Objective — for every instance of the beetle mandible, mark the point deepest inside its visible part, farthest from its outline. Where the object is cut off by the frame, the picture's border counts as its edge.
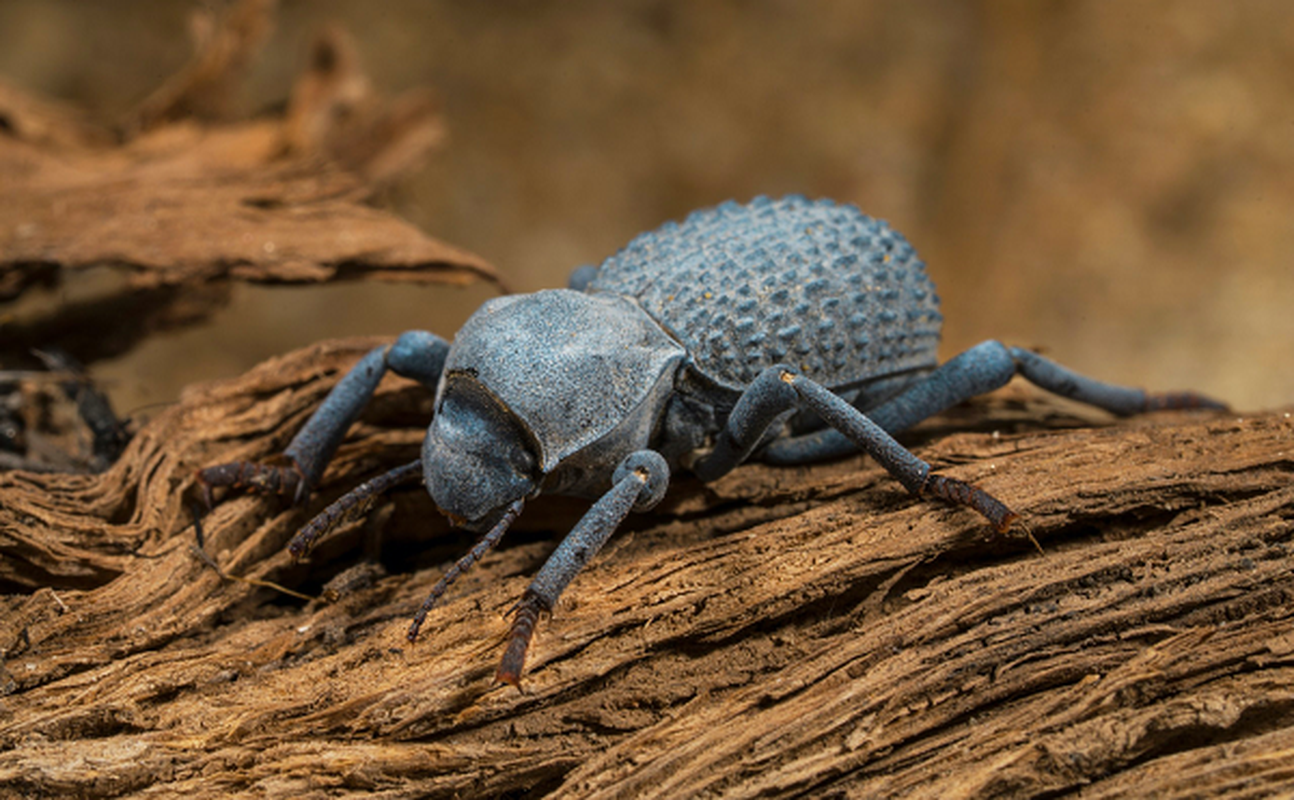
(786, 330)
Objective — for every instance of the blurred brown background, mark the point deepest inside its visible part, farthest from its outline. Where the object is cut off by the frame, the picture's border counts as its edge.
(1110, 181)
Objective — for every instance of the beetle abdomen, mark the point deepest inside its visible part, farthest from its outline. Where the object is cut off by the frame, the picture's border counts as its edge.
(814, 284)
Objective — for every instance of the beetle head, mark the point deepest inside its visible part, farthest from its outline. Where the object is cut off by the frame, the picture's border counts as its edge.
(478, 458)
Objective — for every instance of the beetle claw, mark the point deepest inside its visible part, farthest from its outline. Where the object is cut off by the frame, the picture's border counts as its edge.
(1176, 401)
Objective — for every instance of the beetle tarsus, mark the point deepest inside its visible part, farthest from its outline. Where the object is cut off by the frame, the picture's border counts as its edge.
(524, 620)
(966, 494)
(1176, 401)
(252, 477)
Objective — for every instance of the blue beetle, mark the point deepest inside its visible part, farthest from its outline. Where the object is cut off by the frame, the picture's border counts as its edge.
(786, 330)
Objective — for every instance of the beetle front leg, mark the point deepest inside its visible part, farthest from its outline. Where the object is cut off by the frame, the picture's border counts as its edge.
(416, 354)
(639, 483)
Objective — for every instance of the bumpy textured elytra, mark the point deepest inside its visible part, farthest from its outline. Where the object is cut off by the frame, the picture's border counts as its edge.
(786, 330)
(839, 295)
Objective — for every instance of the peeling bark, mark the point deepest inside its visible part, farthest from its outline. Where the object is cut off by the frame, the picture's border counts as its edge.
(183, 200)
(780, 631)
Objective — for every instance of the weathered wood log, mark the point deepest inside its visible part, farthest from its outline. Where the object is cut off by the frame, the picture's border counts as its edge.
(781, 631)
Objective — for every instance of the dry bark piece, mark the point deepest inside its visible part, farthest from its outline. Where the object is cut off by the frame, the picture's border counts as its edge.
(193, 205)
(272, 200)
(223, 50)
(184, 204)
(780, 631)
(47, 123)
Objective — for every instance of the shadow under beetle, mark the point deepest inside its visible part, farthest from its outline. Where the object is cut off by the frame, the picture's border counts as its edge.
(785, 330)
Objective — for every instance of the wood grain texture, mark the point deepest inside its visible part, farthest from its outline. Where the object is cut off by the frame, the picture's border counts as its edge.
(780, 632)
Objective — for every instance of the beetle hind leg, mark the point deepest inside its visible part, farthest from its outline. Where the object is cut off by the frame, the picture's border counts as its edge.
(1121, 400)
(981, 369)
(780, 388)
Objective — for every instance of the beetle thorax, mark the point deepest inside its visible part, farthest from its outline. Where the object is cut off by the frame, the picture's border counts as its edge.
(534, 379)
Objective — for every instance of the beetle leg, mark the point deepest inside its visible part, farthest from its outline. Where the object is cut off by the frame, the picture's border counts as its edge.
(1119, 400)
(765, 400)
(979, 370)
(912, 472)
(581, 277)
(416, 354)
(253, 477)
(638, 484)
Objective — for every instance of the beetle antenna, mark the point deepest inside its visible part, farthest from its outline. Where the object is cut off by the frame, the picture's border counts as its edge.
(478, 551)
(352, 505)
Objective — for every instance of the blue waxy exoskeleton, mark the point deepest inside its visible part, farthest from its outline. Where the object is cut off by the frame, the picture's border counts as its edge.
(784, 330)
